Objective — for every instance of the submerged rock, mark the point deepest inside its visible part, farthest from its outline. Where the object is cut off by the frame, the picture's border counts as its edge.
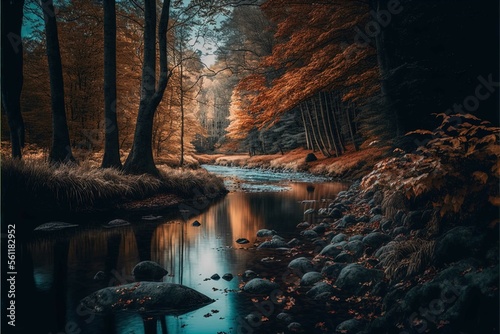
(274, 243)
(144, 297)
(116, 223)
(260, 286)
(196, 223)
(148, 271)
(151, 217)
(227, 277)
(264, 233)
(54, 226)
(310, 157)
(215, 277)
(242, 241)
(249, 274)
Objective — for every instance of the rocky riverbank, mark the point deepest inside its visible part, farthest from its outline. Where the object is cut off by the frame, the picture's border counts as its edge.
(355, 269)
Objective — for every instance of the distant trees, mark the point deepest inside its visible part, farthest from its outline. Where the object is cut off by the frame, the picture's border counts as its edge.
(12, 71)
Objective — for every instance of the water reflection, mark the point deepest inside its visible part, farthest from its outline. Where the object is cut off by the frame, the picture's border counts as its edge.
(59, 270)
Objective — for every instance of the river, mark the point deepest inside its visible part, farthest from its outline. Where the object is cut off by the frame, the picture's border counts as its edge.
(56, 270)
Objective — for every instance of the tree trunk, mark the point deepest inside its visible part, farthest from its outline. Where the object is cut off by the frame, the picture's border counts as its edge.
(308, 145)
(61, 148)
(330, 139)
(181, 67)
(323, 147)
(334, 126)
(12, 71)
(348, 110)
(111, 144)
(140, 159)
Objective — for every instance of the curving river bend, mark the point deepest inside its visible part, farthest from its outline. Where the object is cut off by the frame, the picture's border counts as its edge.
(56, 270)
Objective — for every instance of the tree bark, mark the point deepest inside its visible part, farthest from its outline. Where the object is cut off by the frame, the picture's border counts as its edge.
(12, 72)
(329, 135)
(308, 145)
(140, 159)
(323, 147)
(111, 143)
(349, 124)
(61, 147)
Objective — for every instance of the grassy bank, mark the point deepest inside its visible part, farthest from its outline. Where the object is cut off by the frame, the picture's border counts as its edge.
(35, 186)
(351, 165)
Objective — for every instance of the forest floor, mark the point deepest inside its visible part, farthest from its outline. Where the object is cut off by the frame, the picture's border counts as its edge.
(350, 166)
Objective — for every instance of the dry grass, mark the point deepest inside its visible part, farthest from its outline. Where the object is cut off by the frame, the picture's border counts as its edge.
(38, 185)
(408, 258)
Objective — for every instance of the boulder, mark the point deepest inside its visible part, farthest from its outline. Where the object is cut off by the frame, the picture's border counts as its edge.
(116, 223)
(145, 297)
(335, 213)
(260, 286)
(344, 257)
(376, 239)
(333, 270)
(249, 274)
(374, 219)
(148, 271)
(377, 210)
(339, 237)
(295, 327)
(356, 237)
(310, 278)
(242, 241)
(274, 243)
(458, 243)
(265, 233)
(351, 326)
(303, 225)
(196, 223)
(284, 318)
(319, 229)
(354, 275)
(294, 242)
(347, 220)
(355, 247)
(54, 226)
(331, 250)
(300, 266)
(309, 234)
(227, 277)
(215, 277)
(310, 157)
(320, 291)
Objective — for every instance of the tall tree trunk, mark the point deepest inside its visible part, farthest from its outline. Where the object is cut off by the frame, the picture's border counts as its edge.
(181, 67)
(337, 107)
(323, 147)
(306, 131)
(329, 135)
(349, 124)
(111, 144)
(315, 137)
(140, 159)
(334, 128)
(61, 147)
(12, 71)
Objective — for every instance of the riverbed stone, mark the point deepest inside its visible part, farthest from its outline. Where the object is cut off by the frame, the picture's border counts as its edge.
(335, 213)
(196, 223)
(376, 210)
(376, 239)
(319, 229)
(274, 243)
(310, 234)
(344, 257)
(294, 242)
(339, 237)
(354, 275)
(54, 226)
(351, 326)
(303, 225)
(331, 250)
(284, 317)
(374, 219)
(300, 266)
(148, 271)
(227, 277)
(399, 230)
(116, 223)
(310, 157)
(295, 327)
(347, 220)
(320, 291)
(356, 237)
(309, 211)
(260, 286)
(265, 233)
(355, 247)
(310, 278)
(249, 275)
(333, 270)
(144, 297)
(215, 277)
(458, 243)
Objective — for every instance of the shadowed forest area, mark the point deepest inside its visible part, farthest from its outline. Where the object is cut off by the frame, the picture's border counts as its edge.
(117, 110)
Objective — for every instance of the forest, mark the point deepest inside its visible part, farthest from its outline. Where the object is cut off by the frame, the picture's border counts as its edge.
(117, 110)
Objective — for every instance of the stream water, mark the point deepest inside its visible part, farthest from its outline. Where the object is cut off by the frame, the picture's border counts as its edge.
(56, 270)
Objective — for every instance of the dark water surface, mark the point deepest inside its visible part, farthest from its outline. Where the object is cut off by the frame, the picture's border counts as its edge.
(56, 270)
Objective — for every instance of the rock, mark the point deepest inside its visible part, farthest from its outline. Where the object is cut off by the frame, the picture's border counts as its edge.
(116, 223)
(386, 225)
(265, 233)
(249, 274)
(351, 326)
(331, 250)
(320, 291)
(457, 243)
(310, 157)
(144, 297)
(335, 213)
(295, 327)
(340, 244)
(376, 239)
(275, 243)
(354, 275)
(355, 247)
(284, 317)
(399, 230)
(294, 242)
(303, 225)
(363, 219)
(300, 266)
(215, 277)
(148, 271)
(151, 217)
(344, 257)
(377, 210)
(310, 278)
(358, 237)
(277, 237)
(242, 241)
(338, 238)
(260, 286)
(309, 211)
(309, 234)
(374, 219)
(196, 223)
(333, 270)
(368, 194)
(399, 218)
(319, 229)
(100, 276)
(378, 197)
(54, 226)
(347, 220)
(227, 277)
